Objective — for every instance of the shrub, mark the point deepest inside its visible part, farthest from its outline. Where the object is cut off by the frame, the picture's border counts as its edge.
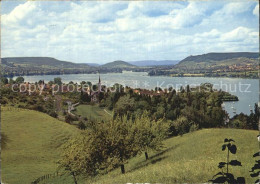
(182, 125)
(194, 127)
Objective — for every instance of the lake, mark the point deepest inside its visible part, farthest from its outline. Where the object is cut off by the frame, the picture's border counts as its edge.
(247, 90)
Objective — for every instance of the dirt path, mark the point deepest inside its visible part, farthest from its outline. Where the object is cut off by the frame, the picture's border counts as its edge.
(108, 112)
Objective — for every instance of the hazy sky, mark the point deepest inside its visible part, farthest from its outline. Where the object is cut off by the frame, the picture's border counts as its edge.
(100, 32)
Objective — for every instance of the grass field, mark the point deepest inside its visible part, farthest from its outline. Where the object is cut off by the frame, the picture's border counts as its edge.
(93, 112)
(191, 158)
(33, 139)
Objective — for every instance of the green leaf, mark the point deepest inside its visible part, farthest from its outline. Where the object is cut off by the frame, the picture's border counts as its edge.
(256, 154)
(231, 140)
(223, 147)
(233, 149)
(255, 174)
(221, 164)
(219, 173)
(235, 163)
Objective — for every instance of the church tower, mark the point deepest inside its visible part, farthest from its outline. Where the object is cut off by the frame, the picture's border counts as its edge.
(99, 84)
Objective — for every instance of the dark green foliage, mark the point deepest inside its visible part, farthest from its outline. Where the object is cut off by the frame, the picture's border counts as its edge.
(255, 170)
(227, 177)
(19, 80)
(246, 121)
(68, 118)
(57, 80)
(81, 125)
(4, 80)
(84, 97)
(149, 133)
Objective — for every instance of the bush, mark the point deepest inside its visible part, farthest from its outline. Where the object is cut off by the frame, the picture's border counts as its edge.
(237, 124)
(53, 114)
(81, 125)
(181, 125)
(4, 101)
(194, 127)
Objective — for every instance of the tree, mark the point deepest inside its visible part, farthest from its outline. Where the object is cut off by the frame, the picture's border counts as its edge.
(182, 125)
(68, 118)
(124, 105)
(57, 80)
(81, 125)
(19, 80)
(119, 141)
(80, 156)
(149, 134)
(84, 97)
(4, 80)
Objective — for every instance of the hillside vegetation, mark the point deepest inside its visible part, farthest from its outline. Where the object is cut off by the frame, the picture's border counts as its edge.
(221, 56)
(33, 141)
(41, 61)
(118, 64)
(191, 158)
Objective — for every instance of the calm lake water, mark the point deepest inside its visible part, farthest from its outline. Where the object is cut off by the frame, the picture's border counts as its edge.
(247, 90)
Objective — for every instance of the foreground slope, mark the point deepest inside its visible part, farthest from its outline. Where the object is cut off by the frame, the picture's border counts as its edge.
(33, 139)
(192, 158)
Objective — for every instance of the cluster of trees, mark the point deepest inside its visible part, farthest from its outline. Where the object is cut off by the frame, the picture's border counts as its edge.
(185, 110)
(108, 145)
(18, 80)
(33, 101)
(246, 121)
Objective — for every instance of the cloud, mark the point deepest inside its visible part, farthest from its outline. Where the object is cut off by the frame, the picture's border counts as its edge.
(100, 32)
(256, 10)
(19, 13)
(241, 34)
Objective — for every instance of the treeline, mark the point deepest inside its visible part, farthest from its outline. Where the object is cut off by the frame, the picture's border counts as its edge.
(12, 72)
(201, 108)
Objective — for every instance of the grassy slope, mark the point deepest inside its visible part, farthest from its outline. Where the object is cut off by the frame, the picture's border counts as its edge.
(192, 158)
(32, 147)
(93, 112)
(33, 137)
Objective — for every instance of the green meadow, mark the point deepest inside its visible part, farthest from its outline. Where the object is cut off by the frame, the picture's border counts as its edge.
(191, 158)
(93, 112)
(34, 139)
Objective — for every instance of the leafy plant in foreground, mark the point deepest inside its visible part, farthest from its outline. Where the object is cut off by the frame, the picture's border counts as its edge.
(227, 177)
(255, 170)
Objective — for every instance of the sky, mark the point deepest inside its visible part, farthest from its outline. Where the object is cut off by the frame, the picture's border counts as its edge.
(101, 32)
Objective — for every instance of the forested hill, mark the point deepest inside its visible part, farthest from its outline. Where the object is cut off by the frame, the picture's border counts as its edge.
(41, 61)
(118, 64)
(220, 56)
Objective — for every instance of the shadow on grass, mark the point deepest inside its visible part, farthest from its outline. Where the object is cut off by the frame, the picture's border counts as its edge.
(153, 159)
(4, 140)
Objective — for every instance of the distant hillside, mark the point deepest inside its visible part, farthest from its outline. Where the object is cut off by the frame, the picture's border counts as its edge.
(118, 64)
(93, 64)
(154, 62)
(220, 56)
(41, 62)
